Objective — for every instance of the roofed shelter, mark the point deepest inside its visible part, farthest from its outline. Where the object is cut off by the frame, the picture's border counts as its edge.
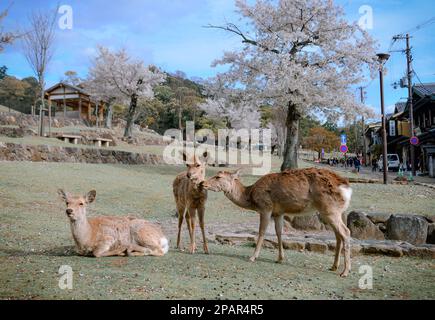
(74, 103)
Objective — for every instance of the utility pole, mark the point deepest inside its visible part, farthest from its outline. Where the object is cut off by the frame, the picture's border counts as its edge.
(410, 100)
(411, 105)
(383, 57)
(363, 129)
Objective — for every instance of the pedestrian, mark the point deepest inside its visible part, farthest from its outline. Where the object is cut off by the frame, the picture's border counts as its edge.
(374, 165)
(357, 164)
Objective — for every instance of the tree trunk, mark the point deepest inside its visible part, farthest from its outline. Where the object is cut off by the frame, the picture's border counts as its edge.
(130, 116)
(180, 114)
(42, 111)
(292, 138)
(109, 115)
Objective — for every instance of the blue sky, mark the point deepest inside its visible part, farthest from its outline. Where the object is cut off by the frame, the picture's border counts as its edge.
(169, 33)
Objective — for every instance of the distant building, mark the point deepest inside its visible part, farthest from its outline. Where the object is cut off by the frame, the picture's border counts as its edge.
(73, 102)
(373, 141)
(399, 132)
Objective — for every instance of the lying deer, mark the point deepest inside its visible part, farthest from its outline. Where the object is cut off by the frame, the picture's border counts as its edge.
(111, 236)
(292, 192)
(190, 198)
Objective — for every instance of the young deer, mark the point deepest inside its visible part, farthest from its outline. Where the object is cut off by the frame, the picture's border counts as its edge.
(190, 198)
(292, 192)
(111, 236)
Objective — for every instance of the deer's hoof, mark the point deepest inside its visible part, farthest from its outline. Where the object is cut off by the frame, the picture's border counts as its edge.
(333, 268)
(252, 259)
(344, 274)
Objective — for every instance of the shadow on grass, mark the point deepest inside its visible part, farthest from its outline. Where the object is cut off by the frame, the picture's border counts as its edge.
(63, 251)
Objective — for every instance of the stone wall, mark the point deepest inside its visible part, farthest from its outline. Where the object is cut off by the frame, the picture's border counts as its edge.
(45, 153)
(27, 120)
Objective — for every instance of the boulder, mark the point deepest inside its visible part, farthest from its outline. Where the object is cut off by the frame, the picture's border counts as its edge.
(383, 249)
(317, 246)
(409, 228)
(293, 245)
(311, 222)
(362, 227)
(378, 217)
(431, 233)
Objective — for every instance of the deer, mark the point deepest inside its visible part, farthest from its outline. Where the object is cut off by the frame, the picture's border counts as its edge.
(292, 193)
(106, 236)
(190, 198)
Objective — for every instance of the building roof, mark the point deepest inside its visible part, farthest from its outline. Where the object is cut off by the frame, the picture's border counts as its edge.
(425, 89)
(66, 85)
(400, 107)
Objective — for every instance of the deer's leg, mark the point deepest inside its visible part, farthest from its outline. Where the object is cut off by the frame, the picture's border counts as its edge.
(192, 220)
(103, 250)
(345, 237)
(137, 250)
(181, 213)
(338, 245)
(279, 221)
(201, 212)
(342, 235)
(264, 222)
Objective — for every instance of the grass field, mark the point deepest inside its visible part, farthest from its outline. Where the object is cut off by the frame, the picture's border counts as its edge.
(36, 241)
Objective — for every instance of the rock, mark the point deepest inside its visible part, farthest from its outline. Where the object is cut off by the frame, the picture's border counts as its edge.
(409, 228)
(384, 249)
(233, 238)
(422, 252)
(317, 246)
(306, 222)
(293, 245)
(362, 228)
(378, 217)
(431, 233)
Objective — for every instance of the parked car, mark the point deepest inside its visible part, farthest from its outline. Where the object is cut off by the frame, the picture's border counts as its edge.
(393, 162)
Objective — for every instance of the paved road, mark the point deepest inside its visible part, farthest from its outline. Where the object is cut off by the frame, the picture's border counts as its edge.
(366, 172)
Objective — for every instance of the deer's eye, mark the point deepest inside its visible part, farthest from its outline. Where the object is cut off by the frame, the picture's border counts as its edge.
(67, 203)
(82, 204)
(197, 166)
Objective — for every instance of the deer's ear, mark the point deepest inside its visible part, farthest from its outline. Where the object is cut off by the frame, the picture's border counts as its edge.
(90, 196)
(236, 174)
(62, 194)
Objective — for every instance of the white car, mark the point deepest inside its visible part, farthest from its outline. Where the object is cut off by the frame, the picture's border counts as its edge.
(393, 162)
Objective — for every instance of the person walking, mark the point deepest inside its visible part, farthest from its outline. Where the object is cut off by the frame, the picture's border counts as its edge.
(374, 165)
(357, 164)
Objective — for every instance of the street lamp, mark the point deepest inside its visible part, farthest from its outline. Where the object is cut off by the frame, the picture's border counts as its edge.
(382, 58)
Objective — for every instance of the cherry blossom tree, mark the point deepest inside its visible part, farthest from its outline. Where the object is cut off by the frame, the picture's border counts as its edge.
(115, 75)
(301, 55)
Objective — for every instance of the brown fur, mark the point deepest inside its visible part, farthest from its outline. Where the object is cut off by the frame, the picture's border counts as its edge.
(292, 192)
(111, 236)
(190, 198)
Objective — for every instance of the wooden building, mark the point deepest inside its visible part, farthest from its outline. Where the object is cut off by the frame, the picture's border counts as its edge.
(74, 103)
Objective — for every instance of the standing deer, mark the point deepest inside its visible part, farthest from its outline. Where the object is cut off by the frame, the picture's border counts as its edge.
(292, 192)
(111, 236)
(190, 198)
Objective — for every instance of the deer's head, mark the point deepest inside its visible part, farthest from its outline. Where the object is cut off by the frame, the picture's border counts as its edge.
(223, 181)
(196, 167)
(76, 205)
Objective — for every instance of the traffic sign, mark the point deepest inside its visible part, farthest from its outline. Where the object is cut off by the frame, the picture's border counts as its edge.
(344, 148)
(343, 139)
(414, 141)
